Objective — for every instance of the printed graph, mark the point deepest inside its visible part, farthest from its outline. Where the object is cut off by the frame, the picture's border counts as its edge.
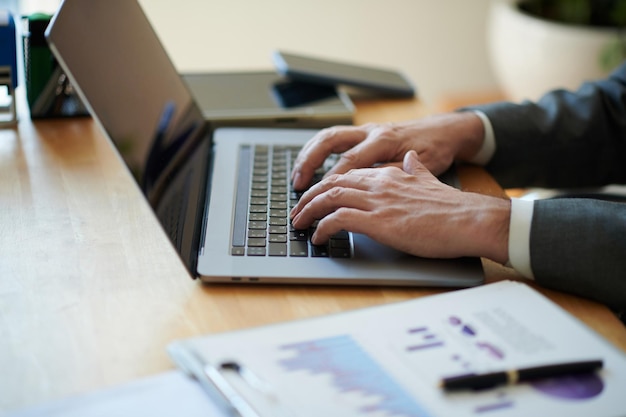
(457, 347)
(426, 339)
(352, 370)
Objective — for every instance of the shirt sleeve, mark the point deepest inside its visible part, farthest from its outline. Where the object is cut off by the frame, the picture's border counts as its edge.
(521, 210)
(489, 142)
(519, 236)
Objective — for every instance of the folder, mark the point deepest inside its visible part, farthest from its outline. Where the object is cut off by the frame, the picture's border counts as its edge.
(388, 360)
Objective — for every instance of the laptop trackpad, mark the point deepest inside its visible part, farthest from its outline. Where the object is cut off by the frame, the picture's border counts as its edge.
(374, 254)
(366, 248)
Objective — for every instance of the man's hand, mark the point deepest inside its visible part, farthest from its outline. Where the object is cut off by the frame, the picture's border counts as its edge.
(408, 209)
(438, 140)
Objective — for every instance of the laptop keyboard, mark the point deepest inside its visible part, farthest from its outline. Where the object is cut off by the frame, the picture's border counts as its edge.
(264, 198)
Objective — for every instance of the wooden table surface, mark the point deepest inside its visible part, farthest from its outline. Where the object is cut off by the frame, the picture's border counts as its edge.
(91, 291)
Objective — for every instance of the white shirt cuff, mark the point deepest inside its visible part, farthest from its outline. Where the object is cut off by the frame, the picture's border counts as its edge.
(489, 142)
(519, 236)
(521, 210)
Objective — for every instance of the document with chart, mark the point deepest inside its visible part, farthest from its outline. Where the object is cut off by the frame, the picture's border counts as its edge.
(389, 360)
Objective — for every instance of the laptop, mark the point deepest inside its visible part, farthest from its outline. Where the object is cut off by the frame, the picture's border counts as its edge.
(265, 98)
(221, 194)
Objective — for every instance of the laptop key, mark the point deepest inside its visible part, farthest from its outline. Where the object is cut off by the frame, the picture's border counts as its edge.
(320, 251)
(256, 251)
(278, 221)
(257, 225)
(277, 230)
(299, 235)
(257, 201)
(258, 217)
(278, 205)
(256, 242)
(339, 252)
(259, 233)
(298, 248)
(278, 213)
(340, 244)
(278, 238)
(277, 249)
(258, 209)
(237, 251)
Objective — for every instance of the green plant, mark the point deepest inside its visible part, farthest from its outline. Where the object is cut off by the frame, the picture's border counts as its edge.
(594, 13)
(599, 13)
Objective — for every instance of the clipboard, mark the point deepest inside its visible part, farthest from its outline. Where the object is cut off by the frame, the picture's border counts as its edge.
(386, 360)
(235, 390)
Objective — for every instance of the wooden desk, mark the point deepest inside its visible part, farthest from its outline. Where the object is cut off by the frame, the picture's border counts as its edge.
(91, 291)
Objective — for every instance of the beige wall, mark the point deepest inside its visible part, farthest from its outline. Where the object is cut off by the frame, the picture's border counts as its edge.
(439, 44)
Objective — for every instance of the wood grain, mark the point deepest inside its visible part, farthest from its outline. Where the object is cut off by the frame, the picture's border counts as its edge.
(91, 291)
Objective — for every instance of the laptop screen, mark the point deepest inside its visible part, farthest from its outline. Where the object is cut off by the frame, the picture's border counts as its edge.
(117, 63)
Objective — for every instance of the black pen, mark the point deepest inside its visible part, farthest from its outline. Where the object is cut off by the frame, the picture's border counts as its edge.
(513, 376)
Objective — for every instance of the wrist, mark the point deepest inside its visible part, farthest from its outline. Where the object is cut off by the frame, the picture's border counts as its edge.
(471, 134)
(491, 228)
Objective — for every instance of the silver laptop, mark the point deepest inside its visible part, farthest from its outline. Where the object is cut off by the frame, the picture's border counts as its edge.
(222, 195)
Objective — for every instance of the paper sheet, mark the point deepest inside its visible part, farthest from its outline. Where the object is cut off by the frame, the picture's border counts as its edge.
(165, 395)
(387, 361)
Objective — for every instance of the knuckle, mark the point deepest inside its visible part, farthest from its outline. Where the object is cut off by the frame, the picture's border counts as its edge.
(332, 180)
(341, 215)
(383, 129)
(335, 193)
(388, 133)
(350, 157)
(327, 134)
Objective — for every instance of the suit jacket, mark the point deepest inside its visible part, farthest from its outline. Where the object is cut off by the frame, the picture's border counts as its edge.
(570, 139)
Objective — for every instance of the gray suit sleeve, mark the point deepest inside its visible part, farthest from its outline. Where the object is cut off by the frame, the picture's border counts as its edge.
(579, 246)
(570, 139)
(566, 139)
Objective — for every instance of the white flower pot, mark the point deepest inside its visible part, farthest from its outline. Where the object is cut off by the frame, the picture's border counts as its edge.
(530, 56)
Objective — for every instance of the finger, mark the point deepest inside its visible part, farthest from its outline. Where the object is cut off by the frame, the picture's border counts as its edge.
(363, 155)
(328, 141)
(353, 179)
(411, 163)
(350, 219)
(330, 201)
(374, 150)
